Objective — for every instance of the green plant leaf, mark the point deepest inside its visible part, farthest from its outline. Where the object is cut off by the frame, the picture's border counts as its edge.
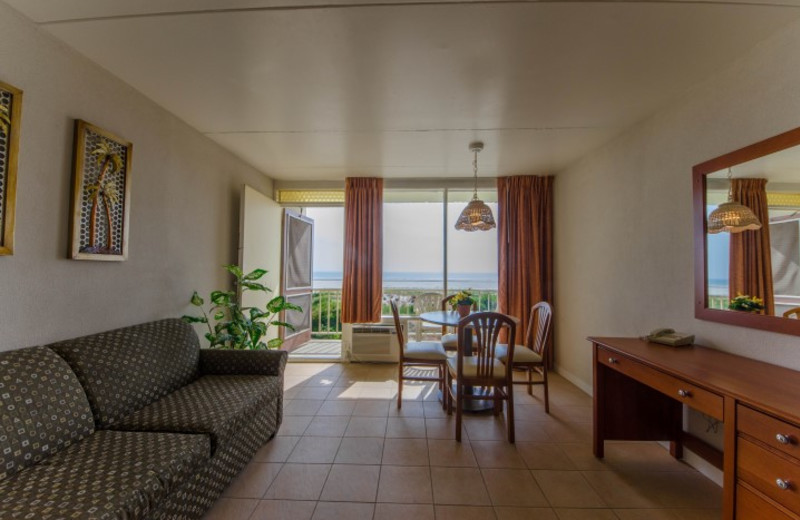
(255, 274)
(219, 315)
(194, 319)
(274, 343)
(197, 300)
(235, 270)
(255, 286)
(256, 313)
(222, 297)
(284, 324)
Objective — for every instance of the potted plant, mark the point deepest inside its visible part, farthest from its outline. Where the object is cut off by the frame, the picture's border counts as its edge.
(237, 327)
(462, 302)
(745, 303)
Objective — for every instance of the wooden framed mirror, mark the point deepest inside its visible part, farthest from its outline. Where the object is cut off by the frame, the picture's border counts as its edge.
(727, 262)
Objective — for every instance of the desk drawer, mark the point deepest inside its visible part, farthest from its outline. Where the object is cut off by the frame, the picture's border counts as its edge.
(768, 472)
(773, 432)
(694, 397)
(751, 506)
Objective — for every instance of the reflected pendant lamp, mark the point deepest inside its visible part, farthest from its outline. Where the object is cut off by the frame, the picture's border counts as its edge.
(732, 217)
(477, 216)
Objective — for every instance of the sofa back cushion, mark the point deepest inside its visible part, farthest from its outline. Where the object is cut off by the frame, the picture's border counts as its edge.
(126, 369)
(42, 408)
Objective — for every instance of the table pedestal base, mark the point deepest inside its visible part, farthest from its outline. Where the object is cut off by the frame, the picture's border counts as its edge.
(475, 405)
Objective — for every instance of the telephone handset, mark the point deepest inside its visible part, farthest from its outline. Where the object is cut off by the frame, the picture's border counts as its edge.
(667, 336)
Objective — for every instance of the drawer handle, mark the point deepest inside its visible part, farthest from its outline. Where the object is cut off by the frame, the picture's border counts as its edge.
(684, 393)
(783, 439)
(783, 484)
(612, 361)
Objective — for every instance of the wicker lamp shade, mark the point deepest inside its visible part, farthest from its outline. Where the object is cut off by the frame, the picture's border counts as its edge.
(477, 216)
(732, 217)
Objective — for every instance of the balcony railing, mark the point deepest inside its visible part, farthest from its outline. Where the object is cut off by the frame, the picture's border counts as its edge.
(326, 307)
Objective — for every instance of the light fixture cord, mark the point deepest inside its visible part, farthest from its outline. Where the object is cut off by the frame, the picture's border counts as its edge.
(475, 172)
(730, 185)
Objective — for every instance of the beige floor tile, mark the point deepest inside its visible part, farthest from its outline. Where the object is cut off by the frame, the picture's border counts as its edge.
(642, 457)
(464, 513)
(442, 429)
(301, 407)
(366, 427)
(343, 510)
(696, 514)
(485, 428)
(568, 432)
(284, 510)
(232, 509)
(371, 408)
(621, 490)
(497, 454)
(459, 486)
(253, 480)
(298, 482)
(360, 450)
(405, 485)
(315, 450)
(276, 450)
(339, 407)
(567, 489)
(313, 392)
(404, 512)
(513, 487)
(447, 452)
(582, 457)
(525, 513)
(586, 514)
(433, 409)
(681, 489)
(409, 409)
(351, 483)
(405, 452)
(544, 455)
(327, 426)
(532, 431)
(531, 412)
(405, 427)
(294, 425)
(647, 514)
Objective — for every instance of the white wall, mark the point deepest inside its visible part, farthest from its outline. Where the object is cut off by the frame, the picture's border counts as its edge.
(623, 214)
(184, 200)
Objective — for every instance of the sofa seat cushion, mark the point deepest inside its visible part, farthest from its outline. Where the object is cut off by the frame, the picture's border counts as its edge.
(217, 405)
(107, 475)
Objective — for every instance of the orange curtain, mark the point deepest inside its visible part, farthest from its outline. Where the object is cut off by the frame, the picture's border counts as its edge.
(525, 242)
(750, 269)
(363, 250)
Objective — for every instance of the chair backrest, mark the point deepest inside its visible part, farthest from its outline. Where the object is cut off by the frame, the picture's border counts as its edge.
(485, 329)
(540, 324)
(400, 339)
(426, 302)
(792, 313)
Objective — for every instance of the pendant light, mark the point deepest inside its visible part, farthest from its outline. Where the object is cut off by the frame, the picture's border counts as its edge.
(477, 216)
(731, 216)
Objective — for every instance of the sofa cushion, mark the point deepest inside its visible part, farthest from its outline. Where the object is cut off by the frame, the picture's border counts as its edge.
(107, 475)
(43, 408)
(217, 405)
(126, 369)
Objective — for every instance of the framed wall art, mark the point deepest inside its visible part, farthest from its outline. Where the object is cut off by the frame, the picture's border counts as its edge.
(10, 115)
(100, 194)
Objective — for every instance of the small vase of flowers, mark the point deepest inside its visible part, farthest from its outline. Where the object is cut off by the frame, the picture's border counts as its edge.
(462, 302)
(745, 303)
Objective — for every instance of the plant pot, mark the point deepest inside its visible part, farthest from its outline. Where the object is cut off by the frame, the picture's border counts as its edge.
(464, 309)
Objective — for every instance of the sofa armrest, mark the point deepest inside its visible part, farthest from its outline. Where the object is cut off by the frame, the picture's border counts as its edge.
(242, 362)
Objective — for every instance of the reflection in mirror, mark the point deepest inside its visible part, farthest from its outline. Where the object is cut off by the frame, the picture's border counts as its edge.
(757, 268)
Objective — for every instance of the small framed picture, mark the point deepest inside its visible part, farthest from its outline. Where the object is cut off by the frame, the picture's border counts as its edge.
(100, 194)
(10, 115)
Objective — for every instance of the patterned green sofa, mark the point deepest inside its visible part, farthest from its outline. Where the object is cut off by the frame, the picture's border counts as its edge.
(132, 423)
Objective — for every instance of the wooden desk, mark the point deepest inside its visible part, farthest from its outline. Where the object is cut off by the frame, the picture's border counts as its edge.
(640, 389)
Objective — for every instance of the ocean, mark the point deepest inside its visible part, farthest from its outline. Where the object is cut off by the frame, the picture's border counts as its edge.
(401, 280)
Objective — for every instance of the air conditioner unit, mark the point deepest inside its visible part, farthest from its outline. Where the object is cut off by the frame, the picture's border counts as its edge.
(371, 343)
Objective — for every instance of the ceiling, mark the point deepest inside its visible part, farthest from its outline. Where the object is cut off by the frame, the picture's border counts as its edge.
(320, 90)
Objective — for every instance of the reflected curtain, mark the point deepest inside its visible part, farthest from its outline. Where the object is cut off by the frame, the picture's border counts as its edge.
(525, 246)
(363, 250)
(750, 268)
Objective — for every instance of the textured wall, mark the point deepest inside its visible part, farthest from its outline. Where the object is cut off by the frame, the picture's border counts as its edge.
(623, 237)
(184, 200)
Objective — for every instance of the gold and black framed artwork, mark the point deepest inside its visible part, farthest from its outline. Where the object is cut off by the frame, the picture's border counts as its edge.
(10, 115)
(100, 194)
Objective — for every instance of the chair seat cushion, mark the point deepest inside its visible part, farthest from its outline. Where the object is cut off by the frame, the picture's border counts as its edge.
(522, 354)
(217, 405)
(109, 474)
(426, 350)
(471, 367)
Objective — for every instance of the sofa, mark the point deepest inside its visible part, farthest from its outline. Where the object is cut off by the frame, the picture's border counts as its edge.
(138, 422)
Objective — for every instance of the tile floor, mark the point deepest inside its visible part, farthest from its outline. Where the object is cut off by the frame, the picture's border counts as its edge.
(346, 452)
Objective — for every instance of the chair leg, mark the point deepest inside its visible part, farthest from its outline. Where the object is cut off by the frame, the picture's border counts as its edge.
(400, 385)
(498, 405)
(510, 413)
(459, 407)
(444, 391)
(449, 385)
(530, 380)
(546, 393)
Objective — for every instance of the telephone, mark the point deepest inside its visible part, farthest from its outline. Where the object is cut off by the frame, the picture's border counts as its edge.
(670, 337)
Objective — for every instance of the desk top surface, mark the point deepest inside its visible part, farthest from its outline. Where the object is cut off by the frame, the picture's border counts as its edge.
(771, 388)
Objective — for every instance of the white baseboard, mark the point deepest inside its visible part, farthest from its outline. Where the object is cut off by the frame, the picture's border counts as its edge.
(575, 380)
